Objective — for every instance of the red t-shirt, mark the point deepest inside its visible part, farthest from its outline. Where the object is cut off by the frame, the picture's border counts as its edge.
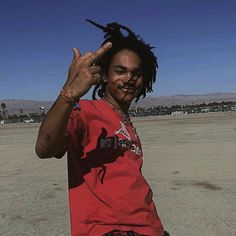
(107, 190)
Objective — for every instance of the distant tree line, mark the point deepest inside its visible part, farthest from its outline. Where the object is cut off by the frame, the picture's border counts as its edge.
(21, 116)
(183, 109)
(134, 111)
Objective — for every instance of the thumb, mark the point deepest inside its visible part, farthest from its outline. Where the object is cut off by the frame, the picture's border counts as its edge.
(76, 54)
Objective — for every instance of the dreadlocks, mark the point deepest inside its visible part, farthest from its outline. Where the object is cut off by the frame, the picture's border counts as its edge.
(122, 37)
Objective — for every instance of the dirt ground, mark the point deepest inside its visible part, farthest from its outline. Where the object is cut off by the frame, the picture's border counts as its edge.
(189, 161)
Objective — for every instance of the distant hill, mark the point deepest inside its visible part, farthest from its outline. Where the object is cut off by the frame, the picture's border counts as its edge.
(185, 99)
(14, 105)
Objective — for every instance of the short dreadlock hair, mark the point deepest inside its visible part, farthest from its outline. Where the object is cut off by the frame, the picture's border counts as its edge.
(115, 33)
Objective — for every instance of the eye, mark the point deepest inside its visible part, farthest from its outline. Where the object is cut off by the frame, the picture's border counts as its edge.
(119, 71)
(137, 74)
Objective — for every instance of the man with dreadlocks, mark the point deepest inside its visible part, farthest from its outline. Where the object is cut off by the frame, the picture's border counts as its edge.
(108, 194)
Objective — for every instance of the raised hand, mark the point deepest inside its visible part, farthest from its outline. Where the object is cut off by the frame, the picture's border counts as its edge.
(83, 73)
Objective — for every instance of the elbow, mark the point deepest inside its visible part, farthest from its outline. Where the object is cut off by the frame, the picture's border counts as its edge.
(41, 153)
(44, 153)
(42, 147)
(45, 148)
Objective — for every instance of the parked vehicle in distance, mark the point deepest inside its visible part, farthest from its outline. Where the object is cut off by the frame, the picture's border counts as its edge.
(28, 121)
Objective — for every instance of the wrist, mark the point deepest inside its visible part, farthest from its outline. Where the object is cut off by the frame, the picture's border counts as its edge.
(67, 95)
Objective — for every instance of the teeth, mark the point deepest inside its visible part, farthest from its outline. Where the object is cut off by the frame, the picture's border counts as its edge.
(129, 89)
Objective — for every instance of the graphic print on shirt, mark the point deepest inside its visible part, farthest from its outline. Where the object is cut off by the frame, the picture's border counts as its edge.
(121, 139)
(123, 131)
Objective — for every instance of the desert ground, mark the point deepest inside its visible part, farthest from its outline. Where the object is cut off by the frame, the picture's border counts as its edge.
(189, 161)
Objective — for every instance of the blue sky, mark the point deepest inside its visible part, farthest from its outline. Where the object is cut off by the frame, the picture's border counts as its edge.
(195, 42)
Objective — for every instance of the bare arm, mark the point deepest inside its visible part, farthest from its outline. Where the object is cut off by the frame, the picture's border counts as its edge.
(82, 75)
(51, 138)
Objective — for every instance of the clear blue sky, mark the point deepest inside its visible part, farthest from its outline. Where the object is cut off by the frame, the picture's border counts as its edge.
(195, 42)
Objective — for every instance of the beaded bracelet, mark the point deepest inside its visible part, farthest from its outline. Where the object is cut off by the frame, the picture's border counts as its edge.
(69, 99)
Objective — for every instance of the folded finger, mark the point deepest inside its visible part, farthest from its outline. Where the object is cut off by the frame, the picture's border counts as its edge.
(86, 55)
(95, 69)
(96, 78)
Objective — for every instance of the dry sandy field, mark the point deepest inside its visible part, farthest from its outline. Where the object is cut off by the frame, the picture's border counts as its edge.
(189, 161)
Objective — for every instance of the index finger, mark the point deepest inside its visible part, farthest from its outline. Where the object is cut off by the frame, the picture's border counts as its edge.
(97, 54)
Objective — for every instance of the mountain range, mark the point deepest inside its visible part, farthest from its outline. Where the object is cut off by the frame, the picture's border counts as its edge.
(14, 105)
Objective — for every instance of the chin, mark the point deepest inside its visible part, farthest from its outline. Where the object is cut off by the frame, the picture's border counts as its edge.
(128, 98)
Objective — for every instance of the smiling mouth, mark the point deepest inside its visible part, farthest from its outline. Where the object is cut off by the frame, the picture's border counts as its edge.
(128, 89)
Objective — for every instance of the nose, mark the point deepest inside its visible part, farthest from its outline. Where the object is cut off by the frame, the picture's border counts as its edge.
(131, 78)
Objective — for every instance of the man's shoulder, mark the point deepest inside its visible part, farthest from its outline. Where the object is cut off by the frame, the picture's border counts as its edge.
(87, 105)
(86, 110)
(89, 109)
(88, 102)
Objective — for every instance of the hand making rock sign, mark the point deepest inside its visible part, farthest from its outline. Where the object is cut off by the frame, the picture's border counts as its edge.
(83, 72)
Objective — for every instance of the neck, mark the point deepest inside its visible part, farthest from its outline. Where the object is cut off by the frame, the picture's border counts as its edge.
(123, 106)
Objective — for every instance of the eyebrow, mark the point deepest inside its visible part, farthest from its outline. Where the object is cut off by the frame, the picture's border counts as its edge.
(125, 68)
(120, 67)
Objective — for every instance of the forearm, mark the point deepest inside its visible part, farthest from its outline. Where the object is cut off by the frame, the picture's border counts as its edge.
(51, 138)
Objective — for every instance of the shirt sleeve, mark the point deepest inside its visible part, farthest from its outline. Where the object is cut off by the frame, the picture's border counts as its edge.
(76, 129)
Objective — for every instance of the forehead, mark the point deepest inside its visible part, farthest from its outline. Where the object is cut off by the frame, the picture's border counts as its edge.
(126, 58)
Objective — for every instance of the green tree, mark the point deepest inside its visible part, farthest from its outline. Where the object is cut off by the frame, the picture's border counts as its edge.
(3, 106)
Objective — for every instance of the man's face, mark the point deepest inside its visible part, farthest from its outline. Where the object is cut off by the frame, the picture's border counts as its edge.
(124, 78)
